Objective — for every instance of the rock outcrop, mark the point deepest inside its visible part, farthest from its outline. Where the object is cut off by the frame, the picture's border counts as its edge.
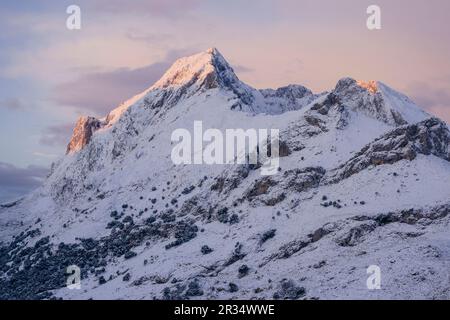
(429, 137)
(82, 133)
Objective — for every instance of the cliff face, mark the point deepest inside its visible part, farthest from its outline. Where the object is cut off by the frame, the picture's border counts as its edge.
(82, 133)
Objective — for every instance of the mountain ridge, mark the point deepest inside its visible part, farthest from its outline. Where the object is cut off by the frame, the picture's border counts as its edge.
(209, 70)
(363, 180)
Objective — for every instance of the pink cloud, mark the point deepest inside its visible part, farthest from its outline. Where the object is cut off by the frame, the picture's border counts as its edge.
(100, 92)
(151, 7)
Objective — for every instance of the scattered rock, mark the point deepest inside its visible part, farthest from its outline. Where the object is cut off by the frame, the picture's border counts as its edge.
(194, 289)
(126, 277)
(233, 287)
(206, 249)
(289, 291)
(236, 256)
(319, 264)
(130, 254)
(188, 190)
(267, 235)
(243, 270)
(222, 215)
(234, 218)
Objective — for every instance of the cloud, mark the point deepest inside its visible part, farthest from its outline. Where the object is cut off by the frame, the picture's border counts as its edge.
(433, 99)
(15, 182)
(12, 104)
(150, 38)
(45, 155)
(100, 92)
(57, 135)
(151, 7)
(144, 7)
(241, 69)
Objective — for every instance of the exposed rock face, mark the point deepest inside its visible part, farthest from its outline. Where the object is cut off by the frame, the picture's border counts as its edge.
(378, 101)
(427, 137)
(291, 92)
(303, 179)
(260, 187)
(272, 190)
(371, 86)
(368, 224)
(368, 99)
(289, 97)
(82, 133)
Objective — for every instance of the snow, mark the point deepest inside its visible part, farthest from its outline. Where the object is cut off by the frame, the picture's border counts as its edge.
(402, 104)
(130, 155)
(184, 69)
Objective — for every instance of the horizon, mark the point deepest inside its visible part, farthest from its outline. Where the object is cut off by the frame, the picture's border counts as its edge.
(121, 51)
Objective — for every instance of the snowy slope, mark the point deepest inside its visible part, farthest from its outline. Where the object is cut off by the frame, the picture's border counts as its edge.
(363, 181)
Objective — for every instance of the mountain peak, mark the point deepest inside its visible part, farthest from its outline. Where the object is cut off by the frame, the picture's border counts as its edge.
(187, 76)
(207, 68)
(213, 51)
(371, 86)
(378, 101)
(204, 71)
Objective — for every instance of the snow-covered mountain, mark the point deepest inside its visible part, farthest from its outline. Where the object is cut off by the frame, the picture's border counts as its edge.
(363, 180)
